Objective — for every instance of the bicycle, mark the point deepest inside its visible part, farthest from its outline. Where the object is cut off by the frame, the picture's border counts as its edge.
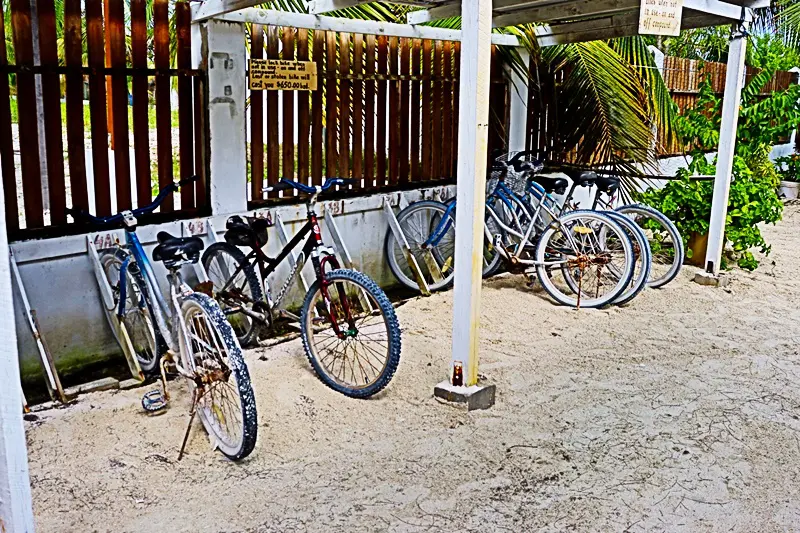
(592, 243)
(664, 239)
(188, 324)
(351, 334)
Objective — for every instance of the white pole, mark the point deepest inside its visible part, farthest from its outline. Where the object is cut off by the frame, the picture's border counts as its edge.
(16, 512)
(734, 83)
(473, 132)
(223, 42)
(518, 114)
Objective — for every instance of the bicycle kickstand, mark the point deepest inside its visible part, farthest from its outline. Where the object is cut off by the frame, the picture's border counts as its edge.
(195, 399)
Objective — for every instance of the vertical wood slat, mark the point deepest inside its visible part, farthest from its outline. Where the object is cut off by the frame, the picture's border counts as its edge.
(436, 152)
(331, 103)
(183, 21)
(163, 106)
(200, 143)
(394, 110)
(302, 113)
(257, 120)
(51, 105)
(141, 128)
(456, 92)
(26, 105)
(369, 123)
(358, 111)
(287, 100)
(316, 109)
(97, 107)
(273, 149)
(344, 105)
(119, 104)
(414, 135)
(380, 142)
(7, 142)
(447, 112)
(405, 70)
(427, 47)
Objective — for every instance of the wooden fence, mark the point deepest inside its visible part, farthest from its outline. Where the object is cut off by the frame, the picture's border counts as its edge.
(37, 207)
(385, 112)
(683, 77)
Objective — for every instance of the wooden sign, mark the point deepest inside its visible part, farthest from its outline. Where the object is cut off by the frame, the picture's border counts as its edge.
(280, 75)
(661, 17)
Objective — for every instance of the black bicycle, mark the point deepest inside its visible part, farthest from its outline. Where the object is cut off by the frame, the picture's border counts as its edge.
(349, 328)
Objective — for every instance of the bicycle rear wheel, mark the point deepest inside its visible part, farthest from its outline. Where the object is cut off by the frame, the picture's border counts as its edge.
(221, 261)
(354, 345)
(227, 406)
(665, 241)
(138, 318)
(596, 253)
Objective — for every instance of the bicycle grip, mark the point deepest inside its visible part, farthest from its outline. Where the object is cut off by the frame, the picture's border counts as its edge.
(280, 186)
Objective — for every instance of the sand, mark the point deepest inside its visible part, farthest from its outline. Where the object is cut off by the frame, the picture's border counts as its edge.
(676, 413)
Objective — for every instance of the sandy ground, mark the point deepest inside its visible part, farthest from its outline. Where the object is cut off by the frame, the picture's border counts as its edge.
(677, 413)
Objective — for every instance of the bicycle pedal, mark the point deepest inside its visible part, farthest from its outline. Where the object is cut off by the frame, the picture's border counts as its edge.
(154, 401)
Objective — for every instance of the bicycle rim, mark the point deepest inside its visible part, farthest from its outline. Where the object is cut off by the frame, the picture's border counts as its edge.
(666, 243)
(359, 354)
(207, 355)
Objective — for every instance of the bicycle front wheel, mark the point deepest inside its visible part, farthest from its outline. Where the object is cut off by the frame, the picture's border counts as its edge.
(420, 222)
(209, 350)
(665, 240)
(354, 342)
(596, 254)
(138, 317)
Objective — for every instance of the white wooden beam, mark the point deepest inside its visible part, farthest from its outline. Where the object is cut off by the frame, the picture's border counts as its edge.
(613, 27)
(734, 83)
(214, 8)
(16, 511)
(518, 113)
(473, 135)
(317, 7)
(718, 8)
(270, 17)
(445, 11)
(564, 11)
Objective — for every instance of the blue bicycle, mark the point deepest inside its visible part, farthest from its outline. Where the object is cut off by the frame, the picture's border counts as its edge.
(186, 324)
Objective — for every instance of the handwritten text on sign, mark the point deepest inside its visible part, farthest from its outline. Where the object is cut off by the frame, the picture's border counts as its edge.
(661, 17)
(280, 75)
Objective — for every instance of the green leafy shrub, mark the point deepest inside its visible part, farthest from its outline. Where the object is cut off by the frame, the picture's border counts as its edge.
(753, 196)
(788, 167)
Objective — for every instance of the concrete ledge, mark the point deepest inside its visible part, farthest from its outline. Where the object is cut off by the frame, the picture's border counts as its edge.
(476, 397)
(710, 280)
(94, 386)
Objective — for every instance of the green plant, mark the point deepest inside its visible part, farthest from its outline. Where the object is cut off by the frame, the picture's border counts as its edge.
(753, 196)
(788, 167)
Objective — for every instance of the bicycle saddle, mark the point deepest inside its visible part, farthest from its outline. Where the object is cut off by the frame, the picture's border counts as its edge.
(556, 185)
(608, 184)
(247, 231)
(583, 178)
(172, 250)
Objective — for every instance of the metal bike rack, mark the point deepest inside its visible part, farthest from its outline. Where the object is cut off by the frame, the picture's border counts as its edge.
(394, 225)
(54, 388)
(283, 236)
(187, 230)
(117, 327)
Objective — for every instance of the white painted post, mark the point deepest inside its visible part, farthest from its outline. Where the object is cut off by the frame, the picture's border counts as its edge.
(659, 59)
(222, 53)
(473, 132)
(16, 511)
(518, 114)
(734, 83)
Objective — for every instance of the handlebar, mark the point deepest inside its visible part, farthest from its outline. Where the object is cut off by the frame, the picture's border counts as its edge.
(79, 214)
(286, 184)
(517, 161)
